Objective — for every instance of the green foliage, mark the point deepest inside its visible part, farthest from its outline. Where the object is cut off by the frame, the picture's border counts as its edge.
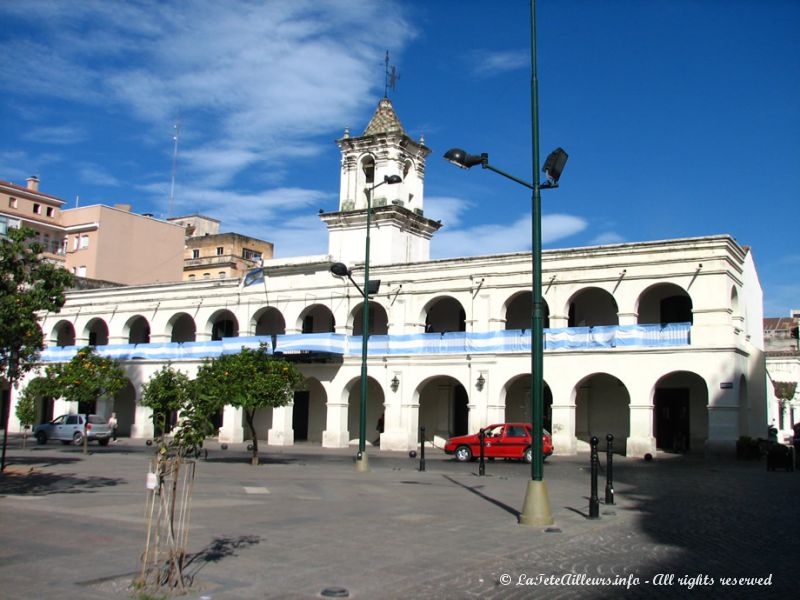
(87, 377)
(28, 286)
(171, 391)
(26, 404)
(250, 379)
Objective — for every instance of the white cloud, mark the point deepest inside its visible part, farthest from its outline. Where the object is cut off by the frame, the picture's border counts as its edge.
(446, 209)
(60, 135)
(486, 64)
(609, 237)
(97, 175)
(497, 238)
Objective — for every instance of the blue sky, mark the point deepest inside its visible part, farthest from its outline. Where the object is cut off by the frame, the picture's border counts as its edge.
(681, 117)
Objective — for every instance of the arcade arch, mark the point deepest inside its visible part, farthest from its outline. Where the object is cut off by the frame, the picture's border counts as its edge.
(316, 318)
(375, 407)
(665, 303)
(63, 334)
(444, 314)
(443, 407)
(519, 311)
(592, 307)
(182, 328)
(96, 331)
(223, 324)
(378, 320)
(602, 406)
(137, 330)
(680, 412)
(518, 401)
(309, 414)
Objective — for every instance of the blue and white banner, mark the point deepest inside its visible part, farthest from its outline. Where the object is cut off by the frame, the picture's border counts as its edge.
(507, 341)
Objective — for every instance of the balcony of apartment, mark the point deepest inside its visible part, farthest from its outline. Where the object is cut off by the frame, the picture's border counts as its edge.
(218, 260)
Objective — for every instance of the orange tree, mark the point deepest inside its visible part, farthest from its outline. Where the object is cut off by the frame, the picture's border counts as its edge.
(85, 378)
(250, 379)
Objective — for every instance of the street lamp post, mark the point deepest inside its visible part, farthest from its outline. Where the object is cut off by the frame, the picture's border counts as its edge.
(536, 507)
(340, 269)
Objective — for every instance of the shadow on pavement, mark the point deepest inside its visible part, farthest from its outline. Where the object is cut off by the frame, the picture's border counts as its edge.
(34, 483)
(494, 501)
(214, 552)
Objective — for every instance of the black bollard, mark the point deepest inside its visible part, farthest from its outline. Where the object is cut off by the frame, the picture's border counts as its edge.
(422, 449)
(594, 502)
(609, 472)
(482, 463)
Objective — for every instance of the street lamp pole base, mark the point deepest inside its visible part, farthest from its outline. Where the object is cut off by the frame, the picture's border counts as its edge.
(536, 508)
(362, 463)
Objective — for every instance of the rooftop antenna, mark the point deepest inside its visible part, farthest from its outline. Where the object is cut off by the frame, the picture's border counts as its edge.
(391, 78)
(174, 166)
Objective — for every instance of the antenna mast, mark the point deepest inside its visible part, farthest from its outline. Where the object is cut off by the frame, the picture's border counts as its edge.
(174, 166)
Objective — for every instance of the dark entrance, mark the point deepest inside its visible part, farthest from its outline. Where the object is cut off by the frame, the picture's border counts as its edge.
(460, 411)
(672, 419)
(300, 416)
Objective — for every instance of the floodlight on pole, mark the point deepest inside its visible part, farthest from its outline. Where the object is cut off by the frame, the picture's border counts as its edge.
(536, 506)
(370, 287)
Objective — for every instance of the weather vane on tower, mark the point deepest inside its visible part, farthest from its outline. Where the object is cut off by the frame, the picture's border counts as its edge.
(390, 78)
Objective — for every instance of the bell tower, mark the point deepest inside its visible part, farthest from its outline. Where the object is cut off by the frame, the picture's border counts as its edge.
(400, 233)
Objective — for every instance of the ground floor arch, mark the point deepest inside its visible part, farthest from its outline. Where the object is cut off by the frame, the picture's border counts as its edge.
(602, 406)
(443, 407)
(309, 412)
(125, 407)
(680, 412)
(375, 408)
(518, 402)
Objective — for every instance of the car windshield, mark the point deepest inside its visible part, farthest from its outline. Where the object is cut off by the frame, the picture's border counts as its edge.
(97, 420)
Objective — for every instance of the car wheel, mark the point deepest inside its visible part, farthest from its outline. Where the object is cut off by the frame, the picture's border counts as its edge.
(463, 454)
(77, 438)
(41, 437)
(529, 455)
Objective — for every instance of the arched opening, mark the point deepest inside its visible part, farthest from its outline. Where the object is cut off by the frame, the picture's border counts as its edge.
(366, 179)
(518, 402)
(444, 314)
(317, 318)
(680, 412)
(97, 332)
(443, 408)
(744, 408)
(519, 311)
(269, 321)
(63, 334)
(43, 405)
(378, 320)
(223, 325)
(125, 407)
(182, 328)
(665, 303)
(602, 406)
(375, 400)
(592, 307)
(309, 413)
(138, 331)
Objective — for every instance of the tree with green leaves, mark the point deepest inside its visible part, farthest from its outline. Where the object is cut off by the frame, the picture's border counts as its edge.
(38, 389)
(85, 378)
(250, 380)
(784, 392)
(29, 286)
(169, 391)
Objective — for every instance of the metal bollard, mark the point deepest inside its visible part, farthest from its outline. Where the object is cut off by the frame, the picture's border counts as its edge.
(594, 502)
(482, 463)
(422, 449)
(609, 469)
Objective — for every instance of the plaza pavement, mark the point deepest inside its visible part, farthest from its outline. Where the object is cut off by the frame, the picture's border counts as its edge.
(73, 526)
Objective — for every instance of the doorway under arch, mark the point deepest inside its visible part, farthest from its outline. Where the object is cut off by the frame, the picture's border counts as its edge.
(602, 406)
(518, 402)
(680, 412)
(375, 400)
(443, 407)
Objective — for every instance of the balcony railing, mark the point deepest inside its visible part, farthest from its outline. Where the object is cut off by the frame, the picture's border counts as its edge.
(508, 341)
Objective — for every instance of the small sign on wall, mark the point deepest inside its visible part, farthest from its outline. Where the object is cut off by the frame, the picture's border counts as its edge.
(726, 385)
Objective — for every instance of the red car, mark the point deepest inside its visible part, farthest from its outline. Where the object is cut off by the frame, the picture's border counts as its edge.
(505, 440)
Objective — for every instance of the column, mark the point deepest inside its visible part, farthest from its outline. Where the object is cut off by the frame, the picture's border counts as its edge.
(142, 426)
(394, 435)
(231, 430)
(563, 416)
(641, 440)
(336, 434)
(282, 431)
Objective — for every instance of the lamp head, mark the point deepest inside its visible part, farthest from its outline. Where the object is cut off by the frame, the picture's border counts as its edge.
(392, 179)
(554, 165)
(464, 160)
(339, 269)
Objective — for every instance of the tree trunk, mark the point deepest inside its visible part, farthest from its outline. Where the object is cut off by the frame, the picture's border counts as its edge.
(249, 416)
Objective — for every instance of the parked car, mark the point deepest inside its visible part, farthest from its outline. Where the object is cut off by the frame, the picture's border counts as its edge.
(69, 429)
(503, 440)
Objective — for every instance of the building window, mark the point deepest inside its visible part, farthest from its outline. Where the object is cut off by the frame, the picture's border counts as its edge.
(75, 242)
(206, 275)
(37, 208)
(191, 277)
(82, 271)
(3, 226)
(253, 255)
(196, 253)
(220, 250)
(50, 211)
(84, 241)
(222, 274)
(12, 203)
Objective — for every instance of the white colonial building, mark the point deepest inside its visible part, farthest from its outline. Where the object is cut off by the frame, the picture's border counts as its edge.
(659, 343)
